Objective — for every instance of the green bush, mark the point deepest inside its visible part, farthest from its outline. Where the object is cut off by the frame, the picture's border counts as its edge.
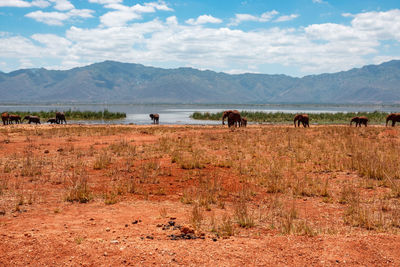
(74, 115)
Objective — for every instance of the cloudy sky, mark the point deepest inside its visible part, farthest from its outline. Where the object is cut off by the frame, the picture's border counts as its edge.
(293, 37)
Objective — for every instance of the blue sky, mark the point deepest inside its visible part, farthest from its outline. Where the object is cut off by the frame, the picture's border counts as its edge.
(296, 38)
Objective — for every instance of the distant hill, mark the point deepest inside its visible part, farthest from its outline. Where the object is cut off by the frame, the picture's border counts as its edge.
(115, 82)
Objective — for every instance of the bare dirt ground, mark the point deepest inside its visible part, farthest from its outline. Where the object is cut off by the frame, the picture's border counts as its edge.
(199, 195)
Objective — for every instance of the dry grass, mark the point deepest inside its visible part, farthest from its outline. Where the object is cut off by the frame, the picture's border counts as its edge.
(278, 179)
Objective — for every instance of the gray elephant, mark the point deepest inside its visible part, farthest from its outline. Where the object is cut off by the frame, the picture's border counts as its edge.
(15, 118)
(60, 118)
(155, 117)
(303, 118)
(394, 117)
(233, 116)
(359, 121)
(34, 119)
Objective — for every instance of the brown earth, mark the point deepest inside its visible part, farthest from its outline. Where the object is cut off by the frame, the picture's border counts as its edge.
(263, 195)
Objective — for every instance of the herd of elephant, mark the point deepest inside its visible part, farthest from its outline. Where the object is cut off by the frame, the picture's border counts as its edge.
(234, 119)
(10, 118)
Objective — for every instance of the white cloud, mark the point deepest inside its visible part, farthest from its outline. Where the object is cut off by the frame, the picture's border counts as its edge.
(381, 25)
(14, 3)
(58, 18)
(319, 2)
(315, 48)
(203, 19)
(239, 18)
(286, 18)
(123, 14)
(21, 3)
(50, 18)
(104, 2)
(62, 5)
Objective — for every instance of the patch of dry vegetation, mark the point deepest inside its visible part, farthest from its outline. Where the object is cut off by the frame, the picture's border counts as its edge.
(279, 180)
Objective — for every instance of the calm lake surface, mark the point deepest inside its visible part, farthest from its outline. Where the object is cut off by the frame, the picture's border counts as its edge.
(180, 113)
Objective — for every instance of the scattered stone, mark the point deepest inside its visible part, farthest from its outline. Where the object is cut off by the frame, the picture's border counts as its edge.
(2, 212)
(105, 254)
(126, 225)
(136, 221)
(108, 229)
(214, 239)
(114, 242)
(149, 237)
(171, 223)
(46, 151)
(60, 150)
(91, 219)
(182, 236)
(172, 218)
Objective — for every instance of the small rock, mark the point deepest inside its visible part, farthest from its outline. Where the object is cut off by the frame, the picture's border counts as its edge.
(149, 237)
(214, 239)
(46, 151)
(105, 254)
(135, 222)
(126, 225)
(172, 218)
(171, 223)
(91, 219)
(2, 212)
(186, 230)
(114, 242)
(159, 225)
(60, 150)
(108, 229)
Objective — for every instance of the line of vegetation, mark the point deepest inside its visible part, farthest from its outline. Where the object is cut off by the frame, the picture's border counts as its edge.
(74, 114)
(281, 117)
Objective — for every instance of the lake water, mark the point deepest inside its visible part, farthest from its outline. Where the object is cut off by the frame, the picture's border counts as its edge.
(180, 113)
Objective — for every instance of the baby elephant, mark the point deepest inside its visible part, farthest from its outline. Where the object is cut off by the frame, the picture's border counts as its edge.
(52, 121)
(359, 121)
(155, 118)
(243, 122)
(30, 119)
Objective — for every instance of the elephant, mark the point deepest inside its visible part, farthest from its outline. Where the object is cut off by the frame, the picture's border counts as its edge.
(155, 117)
(4, 118)
(14, 117)
(34, 119)
(60, 118)
(226, 113)
(52, 121)
(303, 118)
(394, 117)
(359, 121)
(234, 119)
(243, 122)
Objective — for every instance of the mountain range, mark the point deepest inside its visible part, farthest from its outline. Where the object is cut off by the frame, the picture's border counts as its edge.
(116, 82)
